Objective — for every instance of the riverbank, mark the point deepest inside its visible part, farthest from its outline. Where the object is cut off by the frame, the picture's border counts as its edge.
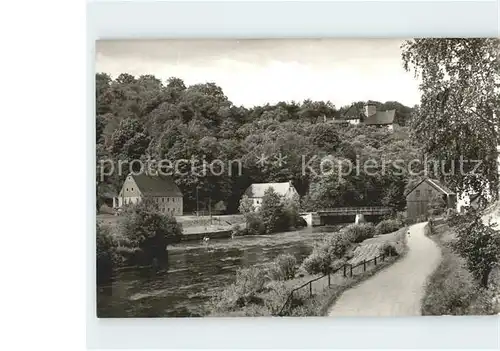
(397, 290)
(193, 227)
(451, 289)
(196, 272)
(271, 296)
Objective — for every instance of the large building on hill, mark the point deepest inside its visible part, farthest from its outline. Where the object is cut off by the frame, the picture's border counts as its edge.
(369, 116)
(161, 189)
(421, 195)
(256, 191)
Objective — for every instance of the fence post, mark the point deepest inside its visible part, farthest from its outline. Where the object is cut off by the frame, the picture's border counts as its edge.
(310, 289)
(351, 270)
(328, 279)
(364, 265)
(345, 271)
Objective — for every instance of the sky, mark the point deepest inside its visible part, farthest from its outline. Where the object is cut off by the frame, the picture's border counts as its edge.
(255, 72)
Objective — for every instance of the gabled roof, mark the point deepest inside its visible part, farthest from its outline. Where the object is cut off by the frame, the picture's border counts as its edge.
(156, 185)
(436, 184)
(381, 118)
(258, 189)
(352, 113)
(474, 198)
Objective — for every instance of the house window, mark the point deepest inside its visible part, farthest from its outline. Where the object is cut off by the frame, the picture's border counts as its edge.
(162, 199)
(417, 193)
(429, 192)
(127, 189)
(168, 199)
(131, 189)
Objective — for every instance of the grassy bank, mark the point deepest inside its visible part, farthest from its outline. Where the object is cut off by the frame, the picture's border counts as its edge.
(451, 289)
(324, 297)
(254, 295)
(319, 305)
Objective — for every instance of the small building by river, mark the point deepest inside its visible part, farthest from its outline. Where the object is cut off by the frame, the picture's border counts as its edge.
(420, 196)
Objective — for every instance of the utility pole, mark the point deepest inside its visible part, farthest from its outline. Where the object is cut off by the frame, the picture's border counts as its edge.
(197, 209)
(210, 209)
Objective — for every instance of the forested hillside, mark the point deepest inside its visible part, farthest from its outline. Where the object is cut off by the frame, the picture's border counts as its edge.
(140, 117)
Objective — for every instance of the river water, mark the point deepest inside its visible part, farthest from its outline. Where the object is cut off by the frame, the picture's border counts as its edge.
(196, 272)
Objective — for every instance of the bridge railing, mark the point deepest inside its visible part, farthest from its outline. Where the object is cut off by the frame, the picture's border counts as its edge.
(347, 271)
(365, 209)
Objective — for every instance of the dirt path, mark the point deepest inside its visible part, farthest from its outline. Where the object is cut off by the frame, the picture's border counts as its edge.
(396, 290)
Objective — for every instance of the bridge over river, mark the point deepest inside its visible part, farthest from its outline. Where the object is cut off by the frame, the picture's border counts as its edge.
(345, 215)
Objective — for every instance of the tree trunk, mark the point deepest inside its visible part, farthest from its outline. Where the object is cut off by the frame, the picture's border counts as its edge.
(484, 278)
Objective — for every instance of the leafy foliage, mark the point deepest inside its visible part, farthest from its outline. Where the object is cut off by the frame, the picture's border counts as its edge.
(284, 267)
(272, 212)
(327, 255)
(437, 206)
(150, 230)
(106, 253)
(388, 226)
(357, 233)
(249, 282)
(458, 115)
(142, 117)
(479, 244)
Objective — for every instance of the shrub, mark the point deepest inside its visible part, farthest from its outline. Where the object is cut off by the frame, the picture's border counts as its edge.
(487, 301)
(450, 290)
(276, 297)
(437, 206)
(388, 250)
(327, 255)
(479, 244)
(273, 212)
(284, 267)
(388, 226)
(106, 254)
(249, 282)
(150, 230)
(236, 230)
(317, 262)
(357, 233)
(255, 225)
(291, 211)
(300, 222)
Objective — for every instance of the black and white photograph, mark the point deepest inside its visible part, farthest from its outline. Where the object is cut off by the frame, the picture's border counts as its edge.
(297, 177)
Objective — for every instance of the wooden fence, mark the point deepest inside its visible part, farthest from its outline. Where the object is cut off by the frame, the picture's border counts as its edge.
(346, 270)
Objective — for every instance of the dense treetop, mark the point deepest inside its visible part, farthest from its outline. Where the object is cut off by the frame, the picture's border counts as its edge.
(141, 117)
(459, 111)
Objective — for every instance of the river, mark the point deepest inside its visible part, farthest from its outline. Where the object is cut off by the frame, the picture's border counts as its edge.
(196, 272)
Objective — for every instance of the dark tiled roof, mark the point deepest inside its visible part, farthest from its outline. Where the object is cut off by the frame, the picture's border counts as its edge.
(381, 117)
(156, 185)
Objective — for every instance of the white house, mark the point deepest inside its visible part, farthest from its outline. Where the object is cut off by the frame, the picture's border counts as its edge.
(256, 191)
(161, 189)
